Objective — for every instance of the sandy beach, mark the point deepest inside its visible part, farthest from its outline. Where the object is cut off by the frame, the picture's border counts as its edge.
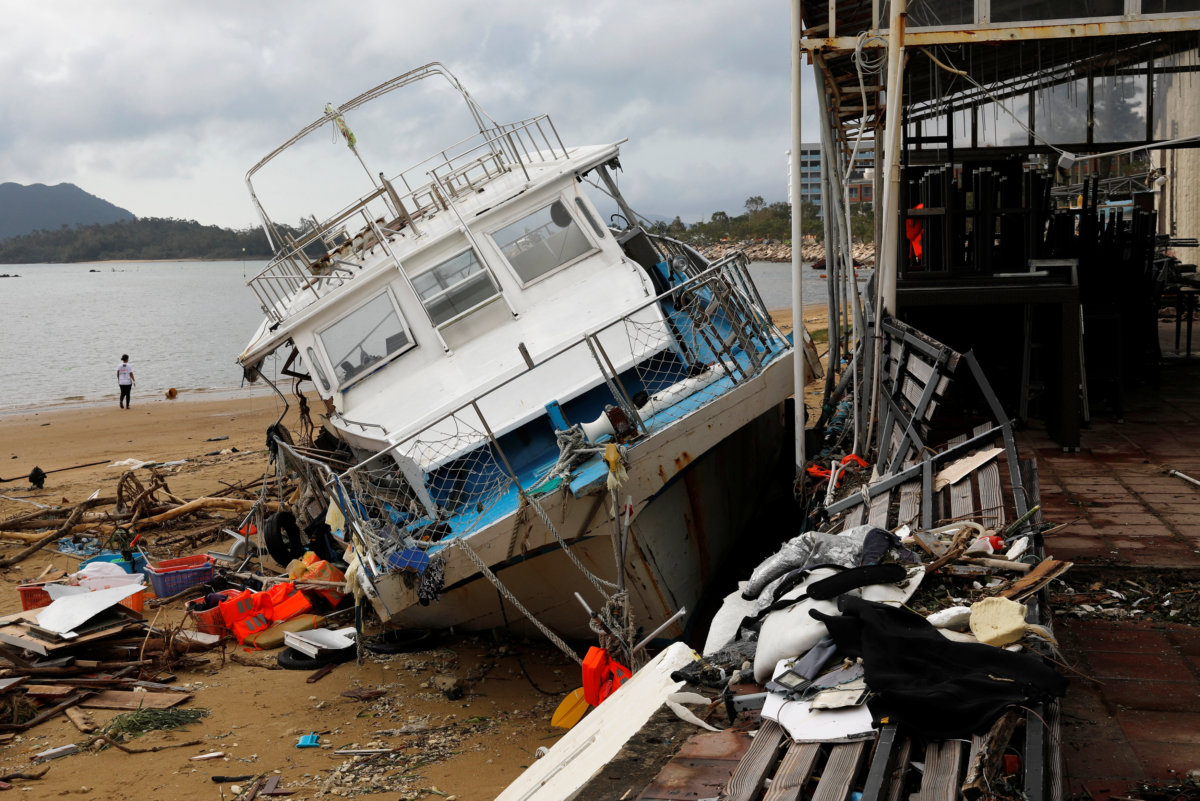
(469, 748)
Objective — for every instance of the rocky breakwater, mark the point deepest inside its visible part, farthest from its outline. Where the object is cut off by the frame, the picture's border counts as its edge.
(864, 254)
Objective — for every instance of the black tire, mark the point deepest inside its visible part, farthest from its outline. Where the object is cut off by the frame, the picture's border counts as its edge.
(319, 539)
(291, 659)
(401, 641)
(282, 537)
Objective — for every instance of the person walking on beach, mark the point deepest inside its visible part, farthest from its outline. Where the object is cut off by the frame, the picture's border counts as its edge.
(124, 381)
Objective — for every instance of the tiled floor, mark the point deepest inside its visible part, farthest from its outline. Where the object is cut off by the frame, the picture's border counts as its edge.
(1133, 713)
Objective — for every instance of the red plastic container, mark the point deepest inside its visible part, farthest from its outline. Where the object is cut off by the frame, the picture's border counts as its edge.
(33, 596)
(209, 621)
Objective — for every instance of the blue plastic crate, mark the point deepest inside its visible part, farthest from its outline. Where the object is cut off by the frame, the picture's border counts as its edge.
(138, 566)
(173, 576)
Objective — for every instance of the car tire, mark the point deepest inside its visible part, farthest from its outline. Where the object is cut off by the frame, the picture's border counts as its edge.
(291, 659)
(282, 537)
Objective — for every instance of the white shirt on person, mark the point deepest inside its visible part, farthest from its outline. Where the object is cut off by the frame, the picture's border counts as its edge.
(124, 374)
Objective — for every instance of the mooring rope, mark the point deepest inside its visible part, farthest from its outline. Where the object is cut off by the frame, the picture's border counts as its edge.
(461, 543)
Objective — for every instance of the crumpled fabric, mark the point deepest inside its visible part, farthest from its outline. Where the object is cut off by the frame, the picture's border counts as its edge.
(809, 548)
(930, 685)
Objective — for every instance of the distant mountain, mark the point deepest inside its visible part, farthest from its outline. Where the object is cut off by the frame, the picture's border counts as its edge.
(24, 209)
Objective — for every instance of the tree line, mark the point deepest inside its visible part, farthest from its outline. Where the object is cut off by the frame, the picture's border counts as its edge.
(766, 221)
(163, 239)
(151, 238)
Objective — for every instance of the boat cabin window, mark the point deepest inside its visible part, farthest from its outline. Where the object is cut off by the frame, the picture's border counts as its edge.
(366, 336)
(455, 287)
(316, 366)
(542, 241)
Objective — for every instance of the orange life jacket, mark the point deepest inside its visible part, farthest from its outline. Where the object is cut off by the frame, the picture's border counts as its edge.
(246, 613)
(287, 602)
(601, 675)
(321, 570)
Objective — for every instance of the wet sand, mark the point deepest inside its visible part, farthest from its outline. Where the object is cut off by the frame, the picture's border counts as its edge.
(470, 748)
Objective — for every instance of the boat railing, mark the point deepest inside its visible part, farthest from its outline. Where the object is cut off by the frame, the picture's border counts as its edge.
(657, 364)
(396, 206)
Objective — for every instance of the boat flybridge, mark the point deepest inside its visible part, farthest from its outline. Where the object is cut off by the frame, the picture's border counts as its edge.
(526, 397)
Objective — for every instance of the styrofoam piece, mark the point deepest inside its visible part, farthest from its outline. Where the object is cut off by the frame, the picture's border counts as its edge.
(312, 642)
(952, 617)
(997, 621)
(597, 738)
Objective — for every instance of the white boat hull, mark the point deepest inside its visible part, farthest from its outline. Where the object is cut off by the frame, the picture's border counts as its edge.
(693, 486)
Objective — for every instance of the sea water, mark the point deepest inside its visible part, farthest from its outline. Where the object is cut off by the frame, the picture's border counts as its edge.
(183, 323)
(65, 327)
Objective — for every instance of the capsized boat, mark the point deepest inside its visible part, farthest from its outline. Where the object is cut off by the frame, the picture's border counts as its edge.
(528, 403)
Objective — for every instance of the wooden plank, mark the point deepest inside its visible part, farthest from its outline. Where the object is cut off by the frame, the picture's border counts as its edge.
(991, 499)
(82, 720)
(943, 762)
(962, 504)
(987, 753)
(49, 692)
(896, 780)
(920, 369)
(880, 505)
(912, 391)
(754, 767)
(839, 772)
(910, 504)
(854, 517)
(128, 700)
(793, 773)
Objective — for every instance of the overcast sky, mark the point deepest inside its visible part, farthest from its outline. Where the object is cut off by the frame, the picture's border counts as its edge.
(161, 107)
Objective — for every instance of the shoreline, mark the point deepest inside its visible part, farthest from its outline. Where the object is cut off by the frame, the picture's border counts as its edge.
(196, 395)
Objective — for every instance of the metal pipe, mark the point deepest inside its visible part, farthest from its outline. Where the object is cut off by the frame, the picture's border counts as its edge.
(887, 258)
(798, 369)
(1187, 478)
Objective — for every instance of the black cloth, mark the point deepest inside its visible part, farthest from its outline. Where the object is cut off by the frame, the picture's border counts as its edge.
(931, 685)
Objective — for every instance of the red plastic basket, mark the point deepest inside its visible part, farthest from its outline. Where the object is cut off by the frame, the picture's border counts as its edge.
(173, 576)
(209, 621)
(33, 596)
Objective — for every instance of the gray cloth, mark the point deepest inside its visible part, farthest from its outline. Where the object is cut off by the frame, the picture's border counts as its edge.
(808, 549)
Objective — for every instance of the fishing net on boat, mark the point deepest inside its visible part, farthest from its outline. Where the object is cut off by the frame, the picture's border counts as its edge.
(712, 332)
(443, 480)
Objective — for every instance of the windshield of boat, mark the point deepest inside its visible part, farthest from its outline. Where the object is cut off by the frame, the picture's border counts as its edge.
(368, 335)
(454, 287)
(543, 241)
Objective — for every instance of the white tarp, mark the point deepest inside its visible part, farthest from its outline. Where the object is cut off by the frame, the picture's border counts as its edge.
(67, 614)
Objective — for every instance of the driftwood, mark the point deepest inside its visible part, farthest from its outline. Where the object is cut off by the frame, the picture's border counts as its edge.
(82, 720)
(104, 738)
(985, 762)
(202, 503)
(957, 548)
(25, 553)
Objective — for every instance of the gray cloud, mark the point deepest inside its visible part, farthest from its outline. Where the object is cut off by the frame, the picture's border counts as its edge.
(160, 106)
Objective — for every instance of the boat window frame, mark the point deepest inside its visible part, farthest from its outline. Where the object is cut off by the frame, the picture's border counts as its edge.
(485, 269)
(595, 246)
(342, 384)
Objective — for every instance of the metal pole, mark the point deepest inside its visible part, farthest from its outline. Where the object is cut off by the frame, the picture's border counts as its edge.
(887, 257)
(798, 367)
